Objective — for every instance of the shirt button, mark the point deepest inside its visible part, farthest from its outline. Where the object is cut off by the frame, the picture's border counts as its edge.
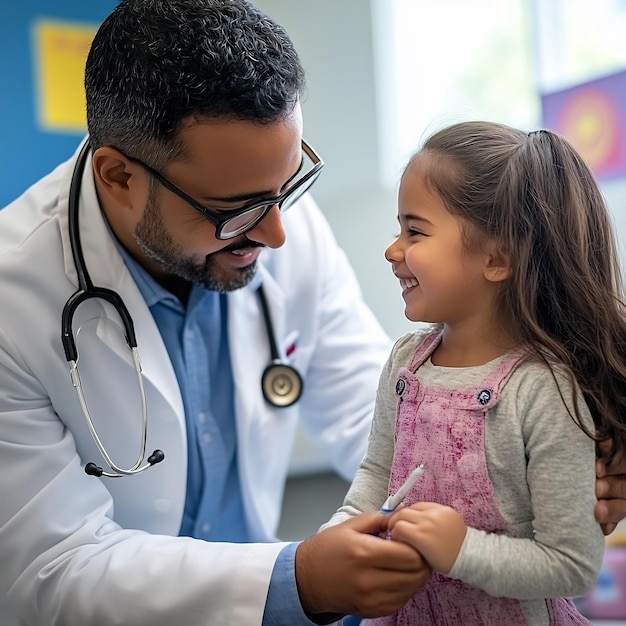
(206, 437)
(206, 527)
(189, 334)
(201, 417)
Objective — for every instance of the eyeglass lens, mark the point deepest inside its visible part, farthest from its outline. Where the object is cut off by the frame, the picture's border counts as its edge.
(240, 223)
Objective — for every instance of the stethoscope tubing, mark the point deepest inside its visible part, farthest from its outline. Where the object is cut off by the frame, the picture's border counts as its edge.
(281, 383)
(86, 288)
(86, 291)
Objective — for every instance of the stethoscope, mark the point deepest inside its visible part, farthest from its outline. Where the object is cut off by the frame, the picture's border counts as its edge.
(281, 383)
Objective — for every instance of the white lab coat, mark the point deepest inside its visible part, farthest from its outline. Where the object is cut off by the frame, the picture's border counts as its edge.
(78, 550)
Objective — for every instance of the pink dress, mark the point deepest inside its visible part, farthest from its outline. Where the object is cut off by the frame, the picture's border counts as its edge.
(445, 430)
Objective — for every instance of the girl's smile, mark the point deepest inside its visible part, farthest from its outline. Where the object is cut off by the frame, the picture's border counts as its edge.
(407, 283)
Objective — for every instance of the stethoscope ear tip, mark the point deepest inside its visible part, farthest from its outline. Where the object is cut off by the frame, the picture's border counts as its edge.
(156, 457)
(93, 470)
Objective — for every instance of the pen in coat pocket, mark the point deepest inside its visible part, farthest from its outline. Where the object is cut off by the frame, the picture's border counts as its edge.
(392, 502)
(290, 343)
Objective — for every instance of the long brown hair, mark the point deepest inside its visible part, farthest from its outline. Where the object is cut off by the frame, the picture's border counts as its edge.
(534, 195)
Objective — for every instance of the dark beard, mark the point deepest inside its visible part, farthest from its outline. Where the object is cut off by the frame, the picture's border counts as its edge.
(158, 245)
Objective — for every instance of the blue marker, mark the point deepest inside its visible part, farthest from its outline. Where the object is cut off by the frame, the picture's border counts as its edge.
(392, 502)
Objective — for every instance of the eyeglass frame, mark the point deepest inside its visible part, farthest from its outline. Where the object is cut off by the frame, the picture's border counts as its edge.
(220, 221)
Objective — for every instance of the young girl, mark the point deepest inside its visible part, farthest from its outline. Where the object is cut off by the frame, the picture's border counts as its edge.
(506, 245)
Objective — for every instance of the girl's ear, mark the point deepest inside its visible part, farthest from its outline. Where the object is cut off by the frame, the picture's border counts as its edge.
(497, 263)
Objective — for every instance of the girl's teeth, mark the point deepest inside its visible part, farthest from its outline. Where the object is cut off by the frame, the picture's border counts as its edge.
(407, 283)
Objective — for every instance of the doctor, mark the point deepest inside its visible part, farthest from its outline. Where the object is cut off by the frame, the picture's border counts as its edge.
(154, 498)
(170, 219)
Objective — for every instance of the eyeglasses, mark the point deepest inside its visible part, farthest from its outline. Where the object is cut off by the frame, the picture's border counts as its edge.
(238, 221)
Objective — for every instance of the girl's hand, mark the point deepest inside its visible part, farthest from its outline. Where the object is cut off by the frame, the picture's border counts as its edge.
(434, 530)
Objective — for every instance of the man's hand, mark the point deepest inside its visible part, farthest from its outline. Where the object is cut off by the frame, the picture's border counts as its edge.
(345, 569)
(610, 489)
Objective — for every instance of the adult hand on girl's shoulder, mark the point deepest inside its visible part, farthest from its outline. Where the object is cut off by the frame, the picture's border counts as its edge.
(610, 488)
(434, 530)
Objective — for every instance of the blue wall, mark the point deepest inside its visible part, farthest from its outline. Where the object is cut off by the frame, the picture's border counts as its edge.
(26, 151)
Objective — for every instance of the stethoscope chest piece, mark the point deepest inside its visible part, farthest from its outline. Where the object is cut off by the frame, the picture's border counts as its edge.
(281, 385)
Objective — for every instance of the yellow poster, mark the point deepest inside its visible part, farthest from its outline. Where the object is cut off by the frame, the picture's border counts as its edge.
(60, 52)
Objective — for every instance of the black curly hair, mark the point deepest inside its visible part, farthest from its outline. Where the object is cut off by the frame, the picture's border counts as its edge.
(154, 64)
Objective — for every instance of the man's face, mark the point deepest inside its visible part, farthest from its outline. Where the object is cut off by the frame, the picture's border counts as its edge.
(230, 164)
(159, 245)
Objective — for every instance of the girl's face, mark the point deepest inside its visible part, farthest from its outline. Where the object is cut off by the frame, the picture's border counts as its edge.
(442, 282)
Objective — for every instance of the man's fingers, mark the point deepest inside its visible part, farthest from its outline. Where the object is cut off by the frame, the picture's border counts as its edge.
(344, 569)
(368, 523)
(616, 466)
(604, 447)
(607, 529)
(610, 511)
(612, 488)
(602, 513)
(390, 593)
(382, 554)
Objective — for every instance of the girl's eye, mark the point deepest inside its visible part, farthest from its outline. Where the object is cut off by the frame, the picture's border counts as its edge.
(408, 232)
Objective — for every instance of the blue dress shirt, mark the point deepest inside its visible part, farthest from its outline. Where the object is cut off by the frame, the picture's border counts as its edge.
(196, 340)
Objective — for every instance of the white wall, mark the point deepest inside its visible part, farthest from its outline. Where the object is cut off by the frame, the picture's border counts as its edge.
(343, 120)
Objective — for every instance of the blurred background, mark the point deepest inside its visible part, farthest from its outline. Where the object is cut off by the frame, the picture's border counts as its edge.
(382, 74)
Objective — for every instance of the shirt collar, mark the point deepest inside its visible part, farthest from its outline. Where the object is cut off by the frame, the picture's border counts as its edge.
(150, 289)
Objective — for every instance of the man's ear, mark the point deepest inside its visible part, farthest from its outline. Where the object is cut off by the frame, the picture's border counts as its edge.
(113, 173)
(497, 263)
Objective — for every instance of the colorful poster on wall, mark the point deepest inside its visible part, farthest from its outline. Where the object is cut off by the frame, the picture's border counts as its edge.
(60, 52)
(43, 48)
(592, 116)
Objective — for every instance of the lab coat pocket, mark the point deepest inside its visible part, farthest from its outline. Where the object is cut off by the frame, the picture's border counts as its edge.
(289, 348)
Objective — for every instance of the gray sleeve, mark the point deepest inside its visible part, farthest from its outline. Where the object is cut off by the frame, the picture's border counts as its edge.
(369, 490)
(562, 556)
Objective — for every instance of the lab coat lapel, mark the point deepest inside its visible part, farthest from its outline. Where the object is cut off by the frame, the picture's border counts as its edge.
(155, 361)
(249, 344)
(258, 424)
(107, 269)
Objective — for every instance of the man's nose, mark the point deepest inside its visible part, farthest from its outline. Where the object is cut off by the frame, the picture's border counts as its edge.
(269, 231)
